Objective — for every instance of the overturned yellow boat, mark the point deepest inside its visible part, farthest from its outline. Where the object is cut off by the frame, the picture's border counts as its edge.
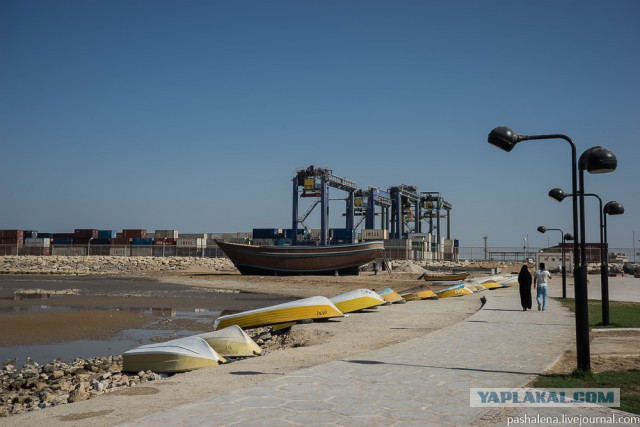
(357, 300)
(391, 296)
(418, 292)
(180, 355)
(317, 307)
(454, 291)
(232, 341)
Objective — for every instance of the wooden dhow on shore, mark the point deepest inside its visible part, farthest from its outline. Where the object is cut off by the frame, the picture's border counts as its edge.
(317, 307)
(299, 260)
(179, 355)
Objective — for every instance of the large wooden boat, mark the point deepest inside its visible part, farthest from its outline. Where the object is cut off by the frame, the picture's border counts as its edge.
(298, 260)
(179, 355)
(308, 308)
(357, 300)
(231, 342)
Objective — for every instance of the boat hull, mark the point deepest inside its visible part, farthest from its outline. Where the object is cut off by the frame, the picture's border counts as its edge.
(300, 260)
(357, 300)
(307, 308)
(232, 342)
(446, 277)
(391, 296)
(181, 355)
(418, 293)
(454, 291)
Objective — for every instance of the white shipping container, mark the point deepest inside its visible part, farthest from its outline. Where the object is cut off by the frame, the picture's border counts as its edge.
(374, 234)
(166, 234)
(196, 242)
(202, 236)
(37, 242)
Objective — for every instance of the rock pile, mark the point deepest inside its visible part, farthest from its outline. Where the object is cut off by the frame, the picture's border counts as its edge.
(82, 265)
(35, 386)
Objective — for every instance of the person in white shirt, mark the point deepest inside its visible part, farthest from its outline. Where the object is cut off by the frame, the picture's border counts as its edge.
(541, 281)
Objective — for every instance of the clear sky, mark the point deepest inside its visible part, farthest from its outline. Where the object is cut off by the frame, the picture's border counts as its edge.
(194, 115)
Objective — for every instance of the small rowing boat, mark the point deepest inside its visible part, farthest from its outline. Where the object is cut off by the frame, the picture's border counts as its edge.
(357, 300)
(454, 291)
(431, 277)
(231, 341)
(391, 296)
(317, 307)
(418, 293)
(180, 355)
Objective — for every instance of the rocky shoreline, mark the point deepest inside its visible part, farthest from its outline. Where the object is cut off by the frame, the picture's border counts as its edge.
(34, 387)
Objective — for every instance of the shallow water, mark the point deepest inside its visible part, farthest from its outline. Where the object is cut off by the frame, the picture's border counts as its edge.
(165, 310)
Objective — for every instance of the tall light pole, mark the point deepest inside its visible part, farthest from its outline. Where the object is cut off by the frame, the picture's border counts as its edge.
(505, 138)
(543, 229)
(559, 195)
(611, 208)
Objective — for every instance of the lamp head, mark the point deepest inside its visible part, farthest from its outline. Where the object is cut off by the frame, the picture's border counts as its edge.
(542, 229)
(558, 194)
(568, 236)
(598, 160)
(613, 208)
(505, 138)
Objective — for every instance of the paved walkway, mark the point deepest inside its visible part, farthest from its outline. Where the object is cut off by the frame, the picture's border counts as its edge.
(424, 381)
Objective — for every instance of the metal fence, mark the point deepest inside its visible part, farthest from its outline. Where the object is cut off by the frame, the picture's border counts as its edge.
(506, 254)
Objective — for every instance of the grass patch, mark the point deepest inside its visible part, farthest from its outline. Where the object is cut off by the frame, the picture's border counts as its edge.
(621, 314)
(627, 380)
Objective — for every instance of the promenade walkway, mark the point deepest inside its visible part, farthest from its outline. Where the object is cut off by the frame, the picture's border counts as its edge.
(421, 382)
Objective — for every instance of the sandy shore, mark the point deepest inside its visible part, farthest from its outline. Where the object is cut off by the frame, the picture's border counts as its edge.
(314, 343)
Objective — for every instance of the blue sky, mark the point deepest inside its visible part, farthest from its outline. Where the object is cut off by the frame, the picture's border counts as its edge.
(195, 115)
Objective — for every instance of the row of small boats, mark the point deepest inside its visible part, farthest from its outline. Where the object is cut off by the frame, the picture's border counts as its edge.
(228, 338)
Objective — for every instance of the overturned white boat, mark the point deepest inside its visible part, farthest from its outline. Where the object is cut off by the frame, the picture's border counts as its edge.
(357, 300)
(232, 341)
(180, 355)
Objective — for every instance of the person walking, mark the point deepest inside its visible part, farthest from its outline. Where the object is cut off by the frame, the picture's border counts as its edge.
(524, 282)
(541, 281)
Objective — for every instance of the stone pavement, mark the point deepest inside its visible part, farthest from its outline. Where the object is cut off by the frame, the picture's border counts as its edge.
(424, 381)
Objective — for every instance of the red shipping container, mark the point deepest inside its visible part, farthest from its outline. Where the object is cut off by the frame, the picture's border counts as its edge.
(11, 241)
(135, 233)
(86, 233)
(11, 234)
(166, 242)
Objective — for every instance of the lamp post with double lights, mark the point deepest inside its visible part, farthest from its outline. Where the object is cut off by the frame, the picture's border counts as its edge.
(505, 138)
(543, 229)
(611, 208)
(559, 195)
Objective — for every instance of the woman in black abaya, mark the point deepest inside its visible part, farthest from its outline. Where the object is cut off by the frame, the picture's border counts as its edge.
(524, 282)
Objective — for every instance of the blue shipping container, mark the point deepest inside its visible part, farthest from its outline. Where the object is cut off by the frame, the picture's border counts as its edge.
(107, 234)
(142, 241)
(265, 233)
(62, 241)
(341, 233)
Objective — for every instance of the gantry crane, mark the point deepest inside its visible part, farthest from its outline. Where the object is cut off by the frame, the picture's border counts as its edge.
(315, 182)
(404, 208)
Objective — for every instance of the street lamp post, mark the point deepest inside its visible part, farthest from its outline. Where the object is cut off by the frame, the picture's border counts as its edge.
(543, 229)
(611, 208)
(559, 195)
(505, 138)
(89, 246)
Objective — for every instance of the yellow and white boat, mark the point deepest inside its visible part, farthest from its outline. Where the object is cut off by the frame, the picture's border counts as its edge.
(418, 292)
(359, 299)
(391, 296)
(231, 341)
(472, 287)
(491, 285)
(453, 291)
(509, 281)
(180, 355)
(479, 286)
(317, 307)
